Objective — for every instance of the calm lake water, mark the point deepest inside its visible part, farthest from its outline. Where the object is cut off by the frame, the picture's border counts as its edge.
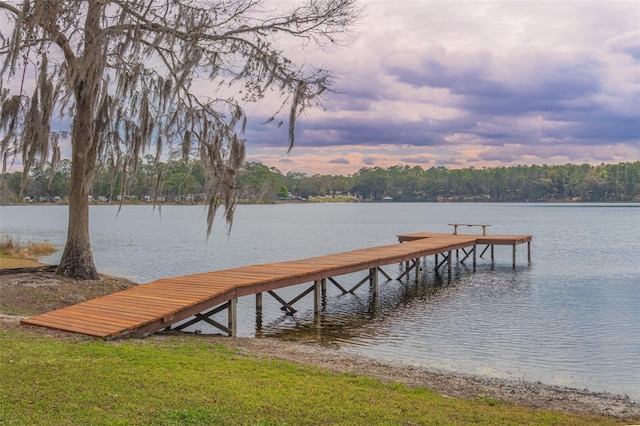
(571, 317)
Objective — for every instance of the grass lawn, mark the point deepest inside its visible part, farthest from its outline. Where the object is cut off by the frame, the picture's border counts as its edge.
(187, 380)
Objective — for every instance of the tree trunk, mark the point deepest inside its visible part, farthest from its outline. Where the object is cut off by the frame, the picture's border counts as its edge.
(77, 259)
(86, 74)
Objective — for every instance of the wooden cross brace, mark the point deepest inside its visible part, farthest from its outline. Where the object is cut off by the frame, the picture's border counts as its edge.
(206, 317)
(411, 264)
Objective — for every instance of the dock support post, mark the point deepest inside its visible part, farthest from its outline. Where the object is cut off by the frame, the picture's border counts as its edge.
(492, 252)
(233, 317)
(317, 297)
(436, 259)
(373, 277)
(259, 311)
(449, 265)
(474, 257)
(529, 251)
(514, 256)
(323, 284)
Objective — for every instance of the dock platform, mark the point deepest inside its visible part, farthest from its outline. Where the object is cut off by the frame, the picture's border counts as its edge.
(178, 302)
(489, 241)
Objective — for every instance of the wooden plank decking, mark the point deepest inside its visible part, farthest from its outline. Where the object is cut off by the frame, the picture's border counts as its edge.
(148, 308)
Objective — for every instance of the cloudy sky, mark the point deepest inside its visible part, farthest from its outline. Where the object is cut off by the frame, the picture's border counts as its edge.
(478, 83)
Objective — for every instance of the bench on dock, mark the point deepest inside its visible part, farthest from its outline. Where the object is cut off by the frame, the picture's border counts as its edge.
(455, 227)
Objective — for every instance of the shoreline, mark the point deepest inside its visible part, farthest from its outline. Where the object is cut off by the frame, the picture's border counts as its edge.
(449, 384)
(19, 290)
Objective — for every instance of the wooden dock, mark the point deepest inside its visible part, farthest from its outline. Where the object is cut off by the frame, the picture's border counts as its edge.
(489, 241)
(178, 302)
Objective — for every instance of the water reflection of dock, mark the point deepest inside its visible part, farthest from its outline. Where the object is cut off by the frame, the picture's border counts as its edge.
(179, 302)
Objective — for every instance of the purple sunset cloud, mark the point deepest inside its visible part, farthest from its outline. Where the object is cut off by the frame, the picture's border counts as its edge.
(501, 83)
(368, 161)
(417, 159)
(339, 161)
(466, 84)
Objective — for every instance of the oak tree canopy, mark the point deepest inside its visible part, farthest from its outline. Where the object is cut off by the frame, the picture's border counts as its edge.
(129, 73)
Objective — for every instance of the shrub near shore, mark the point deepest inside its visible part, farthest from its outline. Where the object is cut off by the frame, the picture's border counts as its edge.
(31, 251)
(14, 254)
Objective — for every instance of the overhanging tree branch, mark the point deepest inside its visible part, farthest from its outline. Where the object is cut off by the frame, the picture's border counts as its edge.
(126, 72)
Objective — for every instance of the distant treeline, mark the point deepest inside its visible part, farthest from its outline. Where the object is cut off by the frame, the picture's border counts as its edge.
(186, 181)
